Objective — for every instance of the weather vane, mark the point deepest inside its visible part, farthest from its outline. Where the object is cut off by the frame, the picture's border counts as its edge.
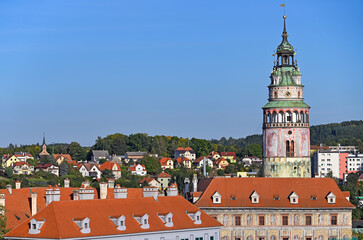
(283, 5)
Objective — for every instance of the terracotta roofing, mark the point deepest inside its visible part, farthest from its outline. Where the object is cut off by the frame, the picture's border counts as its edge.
(72, 162)
(65, 156)
(20, 164)
(181, 160)
(200, 159)
(133, 167)
(219, 160)
(109, 165)
(183, 150)
(59, 216)
(228, 154)
(164, 161)
(163, 175)
(44, 165)
(147, 179)
(266, 188)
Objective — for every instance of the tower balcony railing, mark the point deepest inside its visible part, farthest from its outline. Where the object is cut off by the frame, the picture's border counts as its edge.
(266, 125)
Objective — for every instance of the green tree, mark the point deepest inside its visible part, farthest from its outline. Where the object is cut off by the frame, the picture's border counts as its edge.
(77, 152)
(151, 164)
(3, 221)
(63, 169)
(8, 172)
(107, 174)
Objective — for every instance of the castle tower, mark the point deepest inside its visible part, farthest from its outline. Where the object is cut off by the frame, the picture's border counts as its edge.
(286, 134)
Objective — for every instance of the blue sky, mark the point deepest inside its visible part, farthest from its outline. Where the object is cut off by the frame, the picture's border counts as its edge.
(81, 69)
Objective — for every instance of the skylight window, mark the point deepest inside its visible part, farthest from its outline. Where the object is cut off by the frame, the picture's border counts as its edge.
(119, 222)
(167, 219)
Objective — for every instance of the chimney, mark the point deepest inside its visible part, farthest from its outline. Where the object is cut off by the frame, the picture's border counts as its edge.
(10, 189)
(18, 184)
(119, 192)
(111, 183)
(172, 190)
(195, 182)
(52, 195)
(2, 204)
(151, 192)
(103, 190)
(86, 193)
(67, 182)
(186, 186)
(33, 196)
(75, 194)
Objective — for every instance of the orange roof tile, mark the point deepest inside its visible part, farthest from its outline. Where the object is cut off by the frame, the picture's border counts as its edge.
(181, 160)
(163, 161)
(66, 156)
(109, 165)
(266, 188)
(163, 175)
(59, 217)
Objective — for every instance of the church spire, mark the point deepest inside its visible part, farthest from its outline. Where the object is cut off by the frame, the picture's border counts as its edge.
(43, 138)
(285, 51)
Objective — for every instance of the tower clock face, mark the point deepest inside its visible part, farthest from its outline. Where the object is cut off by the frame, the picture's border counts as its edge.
(288, 94)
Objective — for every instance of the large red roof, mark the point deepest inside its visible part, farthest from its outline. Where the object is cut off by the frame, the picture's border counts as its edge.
(267, 188)
(109, 165)
(59, 216)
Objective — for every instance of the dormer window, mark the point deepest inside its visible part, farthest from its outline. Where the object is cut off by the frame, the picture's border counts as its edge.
(313, 197)
(195, 216)
(143, 221)
(216, 198)
(119, 222)
(167, 219)
(83, 224)
(331, 198)
(255, 198)
(294, 198)
(35, 226)
(276, 197)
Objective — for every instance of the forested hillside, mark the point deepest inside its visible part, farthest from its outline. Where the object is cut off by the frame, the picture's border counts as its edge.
(345, 133)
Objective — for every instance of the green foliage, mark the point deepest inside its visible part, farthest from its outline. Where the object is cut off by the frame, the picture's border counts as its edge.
(77, 152)
(3, 221)
(8, 171)
(253, 150)
(63, 168)
(355, 190)
(151, 164)
(107, 174)
(102, 161)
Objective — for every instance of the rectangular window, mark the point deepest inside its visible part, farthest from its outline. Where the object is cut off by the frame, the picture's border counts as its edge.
(237, 238)
(308, 238)
(308, 220)
(334, 220)
(285, 220)
(211, 238)
(261, 220)
(285, 238)
(199, 238)
(261, 238)
(237, 220)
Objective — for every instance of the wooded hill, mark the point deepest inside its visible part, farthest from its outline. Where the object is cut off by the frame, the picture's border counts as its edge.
(345, 133)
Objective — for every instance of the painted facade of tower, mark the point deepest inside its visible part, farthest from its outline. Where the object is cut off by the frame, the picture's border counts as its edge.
(286, 134)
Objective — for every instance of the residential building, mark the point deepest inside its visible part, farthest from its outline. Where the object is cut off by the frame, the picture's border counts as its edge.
(166, 163)
(164, 179)
(185, 162)
(278, 208)
(214, 155)
(131, 219)
(22, 168)
(97, 155)
(44, 152)
(246, 174)
(51, 168)
(230, 156)
(339, 148)
(150, 181)
(354, 162)
(250, 160)
(221, 163)
(185, 152)
(59, 158)
(90, 170)
(8, 160)
(198, 163)
(286, 132)
(138, 169)
(23, 156)
(114, 167)
(326, 161)
(135, 155)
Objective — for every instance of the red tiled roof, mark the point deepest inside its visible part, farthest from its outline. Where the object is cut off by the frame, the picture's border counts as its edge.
(228, 154)
(164, 161)
(200, 159)
(163, 175)
(109, 165)
(20, 164)
(219, 160)
(46, 165)
(66, 156)
(131, 193)
(147, 179)
(266, 188)
(133, 167)
(88, 166)
(72, 162)
(59, 217)
(181, 160)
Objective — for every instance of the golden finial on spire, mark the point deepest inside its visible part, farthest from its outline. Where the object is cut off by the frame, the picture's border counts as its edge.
(284, 16)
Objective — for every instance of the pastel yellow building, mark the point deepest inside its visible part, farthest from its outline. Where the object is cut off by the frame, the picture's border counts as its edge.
(9, 160)
(278, 208)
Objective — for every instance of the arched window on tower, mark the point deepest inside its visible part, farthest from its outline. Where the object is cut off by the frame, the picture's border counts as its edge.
(287, 148)
(307, 117)
(292, 148)
(275, 94)
(288, 116)
(302, 116)
(298, 94)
